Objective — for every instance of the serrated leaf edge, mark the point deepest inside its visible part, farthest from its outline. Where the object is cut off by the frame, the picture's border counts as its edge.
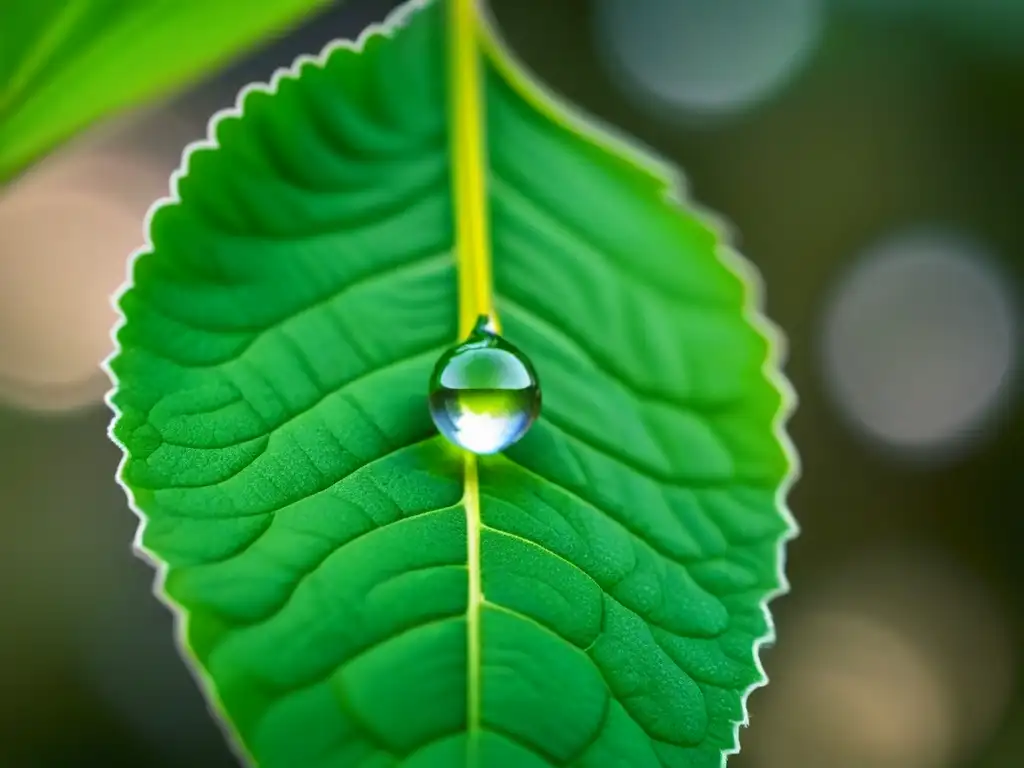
(676, 191)
(564, 113)
(180, 614)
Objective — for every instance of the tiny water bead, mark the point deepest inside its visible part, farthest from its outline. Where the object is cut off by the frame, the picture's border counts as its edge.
(484, 393)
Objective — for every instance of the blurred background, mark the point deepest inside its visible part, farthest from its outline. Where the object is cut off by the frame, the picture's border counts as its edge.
(869, 155)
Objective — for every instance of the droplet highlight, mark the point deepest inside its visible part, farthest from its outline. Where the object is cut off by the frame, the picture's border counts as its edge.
(484, 393)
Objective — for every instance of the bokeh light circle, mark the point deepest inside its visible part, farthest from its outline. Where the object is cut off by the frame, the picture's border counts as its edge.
(862, 694)
(67, 229)
(920, 343)
(705, 58)
(53, 311)
(899, 658)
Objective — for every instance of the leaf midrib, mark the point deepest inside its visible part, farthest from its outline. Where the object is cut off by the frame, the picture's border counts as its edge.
(475, 291)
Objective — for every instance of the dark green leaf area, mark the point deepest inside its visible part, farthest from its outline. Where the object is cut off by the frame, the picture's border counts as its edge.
(272, 388)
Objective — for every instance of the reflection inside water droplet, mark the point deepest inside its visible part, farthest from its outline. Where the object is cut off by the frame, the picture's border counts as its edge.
(484, 393)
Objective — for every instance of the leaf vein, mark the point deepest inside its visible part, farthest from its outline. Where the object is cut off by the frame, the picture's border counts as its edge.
(656, 476)
(533, 212)
(343, 390)
(559, 330)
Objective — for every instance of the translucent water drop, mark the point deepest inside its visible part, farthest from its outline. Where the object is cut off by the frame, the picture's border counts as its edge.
(484, 393)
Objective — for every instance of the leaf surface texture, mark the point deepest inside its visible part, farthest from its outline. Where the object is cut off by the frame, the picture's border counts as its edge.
(272, 372)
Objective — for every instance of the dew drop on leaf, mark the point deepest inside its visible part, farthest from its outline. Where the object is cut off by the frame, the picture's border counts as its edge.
(484, 393)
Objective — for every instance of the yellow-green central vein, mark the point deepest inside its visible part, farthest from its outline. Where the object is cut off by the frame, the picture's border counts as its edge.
(472, 245)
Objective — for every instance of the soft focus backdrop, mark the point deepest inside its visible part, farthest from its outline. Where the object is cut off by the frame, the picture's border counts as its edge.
(869, 155)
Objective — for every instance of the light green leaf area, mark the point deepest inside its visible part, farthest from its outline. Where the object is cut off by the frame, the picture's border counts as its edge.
(66, 63)
(271, 390)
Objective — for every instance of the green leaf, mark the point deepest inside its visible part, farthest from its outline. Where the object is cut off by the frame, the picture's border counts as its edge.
(66, 63)
(309, 522)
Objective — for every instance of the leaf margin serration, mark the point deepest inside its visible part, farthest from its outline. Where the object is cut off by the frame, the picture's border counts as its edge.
(675, 190)
(180, 614)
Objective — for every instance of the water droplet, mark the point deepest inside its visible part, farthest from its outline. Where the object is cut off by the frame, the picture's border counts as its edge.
(484, 393)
